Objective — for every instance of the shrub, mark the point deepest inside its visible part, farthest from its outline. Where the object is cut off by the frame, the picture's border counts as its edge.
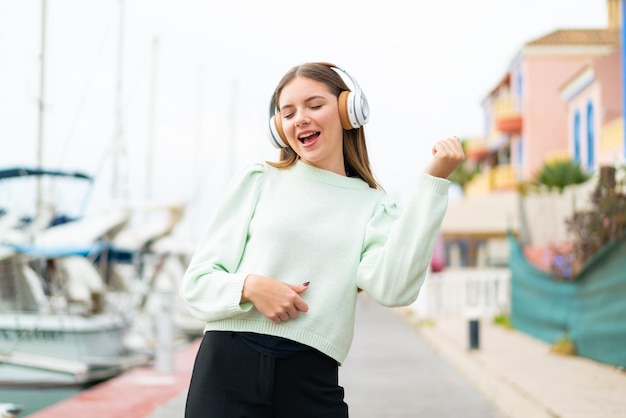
(503, 320)
(564, 346)
(604, 222)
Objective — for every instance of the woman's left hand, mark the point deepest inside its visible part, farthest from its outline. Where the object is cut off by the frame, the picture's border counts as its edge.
(447, 155)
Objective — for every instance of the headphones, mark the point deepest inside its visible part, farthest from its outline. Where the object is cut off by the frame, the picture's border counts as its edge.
(353, 110)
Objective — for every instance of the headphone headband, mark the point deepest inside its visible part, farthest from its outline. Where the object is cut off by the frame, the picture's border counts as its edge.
(352, 104)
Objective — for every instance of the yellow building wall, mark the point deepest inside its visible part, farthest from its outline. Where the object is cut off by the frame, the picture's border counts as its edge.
(611, 147)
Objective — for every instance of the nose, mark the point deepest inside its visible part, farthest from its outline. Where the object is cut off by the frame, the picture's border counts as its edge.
(302, 119)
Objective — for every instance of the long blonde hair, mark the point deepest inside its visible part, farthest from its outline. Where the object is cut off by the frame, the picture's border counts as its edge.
(355, 157)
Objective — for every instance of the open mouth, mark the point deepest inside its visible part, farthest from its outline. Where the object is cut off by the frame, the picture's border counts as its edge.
(308, 137)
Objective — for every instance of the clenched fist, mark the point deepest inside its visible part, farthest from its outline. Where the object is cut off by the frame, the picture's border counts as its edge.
(447, 155)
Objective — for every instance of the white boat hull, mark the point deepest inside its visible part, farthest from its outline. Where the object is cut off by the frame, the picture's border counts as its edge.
(58, 350)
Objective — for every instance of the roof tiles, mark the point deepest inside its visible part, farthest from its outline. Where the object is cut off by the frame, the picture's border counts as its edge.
(578, 37)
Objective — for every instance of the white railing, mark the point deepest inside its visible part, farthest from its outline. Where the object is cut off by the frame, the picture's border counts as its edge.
(465, 292)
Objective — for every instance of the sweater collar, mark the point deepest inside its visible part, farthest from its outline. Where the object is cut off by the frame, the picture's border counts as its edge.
(328, 177)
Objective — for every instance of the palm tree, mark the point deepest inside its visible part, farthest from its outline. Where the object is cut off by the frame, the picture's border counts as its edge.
(559, 174)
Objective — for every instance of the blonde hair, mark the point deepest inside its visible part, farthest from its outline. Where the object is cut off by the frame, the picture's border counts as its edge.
(355, 157)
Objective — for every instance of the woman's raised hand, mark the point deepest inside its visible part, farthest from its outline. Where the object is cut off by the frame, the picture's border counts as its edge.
(447, 155)
(276, 300)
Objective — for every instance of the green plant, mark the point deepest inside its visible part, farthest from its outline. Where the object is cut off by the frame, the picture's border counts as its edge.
(564, 346)
(503, 320)
(559, 174)
(425, 322)
(464, 173)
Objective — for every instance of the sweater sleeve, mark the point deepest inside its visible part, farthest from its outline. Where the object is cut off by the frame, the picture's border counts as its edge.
(397, 248)
(210, 287)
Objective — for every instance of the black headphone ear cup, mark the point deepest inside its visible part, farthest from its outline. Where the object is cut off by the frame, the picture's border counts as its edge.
(344, 112)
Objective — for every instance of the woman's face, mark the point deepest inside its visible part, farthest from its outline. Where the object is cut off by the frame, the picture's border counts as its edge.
(310, 120)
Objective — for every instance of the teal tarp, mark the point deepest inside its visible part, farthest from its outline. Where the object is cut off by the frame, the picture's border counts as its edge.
(590, 309)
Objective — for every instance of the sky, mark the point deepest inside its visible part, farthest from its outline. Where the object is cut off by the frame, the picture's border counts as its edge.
(195, 77)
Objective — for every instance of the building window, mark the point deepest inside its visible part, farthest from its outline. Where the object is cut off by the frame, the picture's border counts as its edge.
(519, 149)
(590, 138)
(577, 136)
(518, 90)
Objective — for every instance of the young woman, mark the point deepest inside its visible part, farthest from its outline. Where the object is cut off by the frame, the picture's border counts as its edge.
(292, 243)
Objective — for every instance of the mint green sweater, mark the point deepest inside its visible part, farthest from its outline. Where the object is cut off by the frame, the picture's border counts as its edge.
(305, 224)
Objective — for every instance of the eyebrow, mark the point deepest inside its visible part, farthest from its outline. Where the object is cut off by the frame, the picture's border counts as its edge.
(306, 101)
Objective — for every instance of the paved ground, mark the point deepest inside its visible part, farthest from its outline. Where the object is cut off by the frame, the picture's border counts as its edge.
(393, 373)
(522, 378)
(398, 369)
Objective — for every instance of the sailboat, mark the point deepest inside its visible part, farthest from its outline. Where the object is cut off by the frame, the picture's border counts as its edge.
(71, 291)
(59, 325)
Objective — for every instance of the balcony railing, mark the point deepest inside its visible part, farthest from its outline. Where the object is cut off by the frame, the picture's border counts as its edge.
(507, 115)
(479, 185)
(505, 106)
(501, 177)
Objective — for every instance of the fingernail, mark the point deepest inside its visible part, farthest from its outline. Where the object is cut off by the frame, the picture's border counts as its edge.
(306, 284)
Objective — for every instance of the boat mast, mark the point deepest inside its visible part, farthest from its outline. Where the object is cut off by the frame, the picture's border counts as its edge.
(42, 90)
(118, 145)
(152, 121)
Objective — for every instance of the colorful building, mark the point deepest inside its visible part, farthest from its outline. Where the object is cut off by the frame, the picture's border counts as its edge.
(561, 97)
(528, 116)
(593, 101)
